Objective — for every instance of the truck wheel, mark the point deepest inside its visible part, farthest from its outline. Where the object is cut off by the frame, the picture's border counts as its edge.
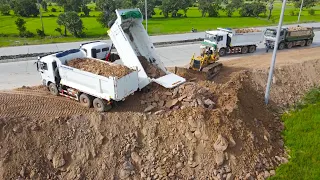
(303, 43)
(244, 50)
(309, 42)
(222, 52)
(53, 89)
(101, 105)
(85, 100)
(252, 49)
(289, 45)
(281, 46)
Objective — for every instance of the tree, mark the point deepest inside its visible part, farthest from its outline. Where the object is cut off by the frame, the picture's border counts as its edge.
(270, 7)
(85, 10)
(108, 8)
(72, 22)
(306, 3)
(72, 5)
(209, 6)
(252, 9)
(184, 5)
(5, 9)
(44, 5)
(21, 26)
(232, 6)
(25, 8)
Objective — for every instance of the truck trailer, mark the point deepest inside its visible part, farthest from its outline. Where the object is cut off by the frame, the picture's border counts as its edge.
(229, 41)
(289, 37)
(88, 88)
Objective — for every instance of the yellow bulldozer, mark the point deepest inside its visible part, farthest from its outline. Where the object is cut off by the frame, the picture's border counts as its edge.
(207, 61)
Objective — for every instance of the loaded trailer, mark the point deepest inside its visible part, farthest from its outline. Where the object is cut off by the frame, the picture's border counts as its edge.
(88, 88)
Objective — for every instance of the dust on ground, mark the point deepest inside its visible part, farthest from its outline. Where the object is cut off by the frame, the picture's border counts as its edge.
(219, 130)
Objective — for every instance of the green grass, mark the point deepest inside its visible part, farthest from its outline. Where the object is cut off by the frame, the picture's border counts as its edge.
(156, 25)
(302, 138)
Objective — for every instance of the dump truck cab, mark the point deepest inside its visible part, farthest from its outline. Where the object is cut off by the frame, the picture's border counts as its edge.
(96, 49)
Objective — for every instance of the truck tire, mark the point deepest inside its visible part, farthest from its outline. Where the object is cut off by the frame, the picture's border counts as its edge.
(101, 105)
(281, 46)
(309, 42)
(289, 45)
(85, 100)
(222, 52)
(303, 43)
(53, 89)
(252, 49)
(244, 50)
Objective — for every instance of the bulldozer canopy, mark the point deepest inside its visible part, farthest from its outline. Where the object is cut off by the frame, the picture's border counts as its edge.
(209, 44)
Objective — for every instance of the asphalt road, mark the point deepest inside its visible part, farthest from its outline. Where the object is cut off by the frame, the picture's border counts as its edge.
(17, 74)
(6, 51)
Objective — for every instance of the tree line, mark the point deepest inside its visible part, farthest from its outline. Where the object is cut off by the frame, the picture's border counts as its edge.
(169, 8)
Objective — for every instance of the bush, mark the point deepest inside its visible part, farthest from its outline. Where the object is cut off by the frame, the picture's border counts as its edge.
(49, 4)
(53, 10)
(5, 9)
(27, 34)
(52, 15)
(312, 12)
(40, 33)
(292, 13)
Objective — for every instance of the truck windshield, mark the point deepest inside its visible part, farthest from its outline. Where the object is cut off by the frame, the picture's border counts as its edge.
(210, 37)
(270, 32)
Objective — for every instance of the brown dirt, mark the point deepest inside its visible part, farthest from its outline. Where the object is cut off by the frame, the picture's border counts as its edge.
(99, 68)
(54, 137)
(151, 70)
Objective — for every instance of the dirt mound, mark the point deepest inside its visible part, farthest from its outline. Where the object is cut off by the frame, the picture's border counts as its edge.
(99, 68)
(239, 137)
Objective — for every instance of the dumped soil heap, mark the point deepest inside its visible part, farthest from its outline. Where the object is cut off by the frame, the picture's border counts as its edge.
(151, 70)
(238, 137)
(99, 68)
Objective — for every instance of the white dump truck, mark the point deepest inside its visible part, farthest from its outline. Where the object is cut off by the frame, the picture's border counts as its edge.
(88, 88)
(229, 41)
(131, 41)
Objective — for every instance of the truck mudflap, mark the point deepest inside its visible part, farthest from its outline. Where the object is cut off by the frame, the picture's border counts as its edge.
(170, 80)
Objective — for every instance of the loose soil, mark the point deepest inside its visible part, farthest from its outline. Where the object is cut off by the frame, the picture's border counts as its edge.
(151, 70)
(220, 130)
(99, 67)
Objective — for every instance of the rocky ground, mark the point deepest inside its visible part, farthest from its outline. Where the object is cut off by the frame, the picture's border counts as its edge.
(217, 129)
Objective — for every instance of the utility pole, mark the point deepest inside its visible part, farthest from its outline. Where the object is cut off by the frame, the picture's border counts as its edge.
(39, 5)
(273, 61)
(146, 12)
(300, 10)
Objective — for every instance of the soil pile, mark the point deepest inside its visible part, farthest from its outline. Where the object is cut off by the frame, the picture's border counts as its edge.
(99, 68)
(151, 70)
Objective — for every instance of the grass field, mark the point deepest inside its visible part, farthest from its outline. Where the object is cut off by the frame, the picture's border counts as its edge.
(156, 25)
(302, 138)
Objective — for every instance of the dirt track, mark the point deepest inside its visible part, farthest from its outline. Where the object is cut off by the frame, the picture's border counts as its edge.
(54, 137)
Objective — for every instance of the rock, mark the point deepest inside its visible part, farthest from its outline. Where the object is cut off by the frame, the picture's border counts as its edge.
(227, 169)
(200, 102)
(179, 165)
(266, 174)
(124, 174)
(154, 104)
(171, 103)
(219, 176)
(161, 103)
(175, 93)
(192, 122)
(142, 174)
(197, 134)
(156, 97)
(189, 136)
(142, 102)
(221, 143)
(284, 160)
(168, 93)
(272, 172)
(182, 97)
(136, 158)
(17, 129)
(159, 112)
(58, 160)
(249, 177)
(219, 158)
(274, 80)
(208, 102)
(22, 171)
(149, 108)
(128, 166)
(230, 176)
(232, 142)
(215, 172)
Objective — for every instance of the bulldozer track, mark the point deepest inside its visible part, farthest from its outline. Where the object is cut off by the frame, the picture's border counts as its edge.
(37, 104)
